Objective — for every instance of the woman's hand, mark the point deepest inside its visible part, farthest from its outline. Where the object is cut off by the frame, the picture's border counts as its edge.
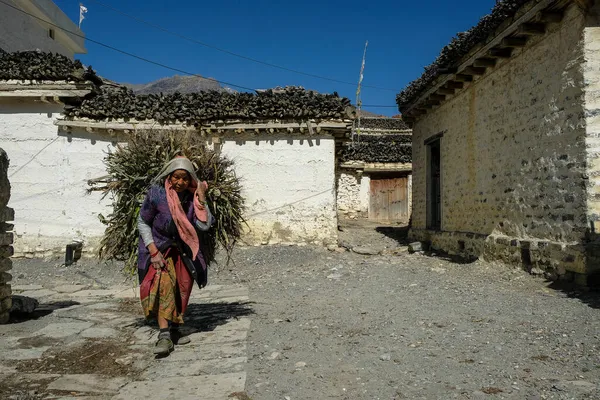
(156, 258)
(157, 261)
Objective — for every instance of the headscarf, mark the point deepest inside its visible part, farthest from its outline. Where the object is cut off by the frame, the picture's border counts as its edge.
(186, 230)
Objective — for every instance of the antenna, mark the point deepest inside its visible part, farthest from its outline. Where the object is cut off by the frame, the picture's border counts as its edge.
(358, 98)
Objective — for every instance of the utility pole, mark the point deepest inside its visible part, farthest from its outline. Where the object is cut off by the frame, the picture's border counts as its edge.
(358, 97)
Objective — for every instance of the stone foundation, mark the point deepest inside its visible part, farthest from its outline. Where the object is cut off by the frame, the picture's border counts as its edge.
(6, 240)
(557, 260)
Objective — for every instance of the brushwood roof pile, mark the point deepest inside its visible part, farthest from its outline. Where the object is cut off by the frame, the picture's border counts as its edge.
(459, 47)
(40, 66)
(196, 108)
(378, 149)
(384, 124)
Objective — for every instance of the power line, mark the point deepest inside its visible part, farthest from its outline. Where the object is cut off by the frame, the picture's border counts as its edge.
(165, 30)
(123, 51)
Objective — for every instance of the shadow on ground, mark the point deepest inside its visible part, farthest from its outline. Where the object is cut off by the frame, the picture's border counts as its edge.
(589, 297)
(399, 234)
(206, 317)
(17, 317)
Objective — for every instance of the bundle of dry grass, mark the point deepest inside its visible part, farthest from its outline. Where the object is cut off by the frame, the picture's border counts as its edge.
(130, 171)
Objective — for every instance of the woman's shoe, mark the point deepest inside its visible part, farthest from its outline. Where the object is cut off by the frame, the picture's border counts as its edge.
(178, 338)
(164, 345)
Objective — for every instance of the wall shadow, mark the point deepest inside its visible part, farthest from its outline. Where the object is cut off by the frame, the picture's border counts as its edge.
(44, 309)
(399, 234)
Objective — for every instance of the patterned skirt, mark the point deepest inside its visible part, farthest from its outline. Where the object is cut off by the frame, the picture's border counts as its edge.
(166, 292)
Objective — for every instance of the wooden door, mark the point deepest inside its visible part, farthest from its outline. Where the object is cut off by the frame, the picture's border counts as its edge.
(389, 199)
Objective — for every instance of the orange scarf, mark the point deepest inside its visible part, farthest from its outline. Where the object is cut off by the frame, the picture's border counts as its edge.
(186, 230)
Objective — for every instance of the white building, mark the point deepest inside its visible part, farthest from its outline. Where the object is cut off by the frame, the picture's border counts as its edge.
(20, 31)
(286, 165)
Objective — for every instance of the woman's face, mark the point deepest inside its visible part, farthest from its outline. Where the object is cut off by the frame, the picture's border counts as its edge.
(180, 180)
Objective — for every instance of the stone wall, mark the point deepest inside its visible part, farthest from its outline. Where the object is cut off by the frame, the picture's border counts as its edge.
(592, 121)
(513, 156)
(6, 238)
(352, 193)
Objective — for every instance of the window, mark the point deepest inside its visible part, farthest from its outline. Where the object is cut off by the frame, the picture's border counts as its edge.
(51, 33)
(434, 183)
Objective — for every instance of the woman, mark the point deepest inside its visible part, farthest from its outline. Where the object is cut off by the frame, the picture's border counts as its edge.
(170, 256)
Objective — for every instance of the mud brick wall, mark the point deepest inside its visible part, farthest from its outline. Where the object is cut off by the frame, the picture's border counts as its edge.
(514, 175)
(6, 239)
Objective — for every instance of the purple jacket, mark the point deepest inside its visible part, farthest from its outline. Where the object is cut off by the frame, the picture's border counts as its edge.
(156, 214)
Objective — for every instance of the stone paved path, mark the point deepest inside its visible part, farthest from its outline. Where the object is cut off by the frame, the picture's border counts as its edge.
(93, 343)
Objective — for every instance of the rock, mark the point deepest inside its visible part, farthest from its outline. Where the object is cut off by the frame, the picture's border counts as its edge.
(364, 250)
(300, 364)
(385, 357)
(415, 247)
(125, 360)
(274, 356)
(22, 304)
(334, 276)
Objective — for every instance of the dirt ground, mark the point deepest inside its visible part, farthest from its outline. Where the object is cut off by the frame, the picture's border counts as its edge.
(340, 325)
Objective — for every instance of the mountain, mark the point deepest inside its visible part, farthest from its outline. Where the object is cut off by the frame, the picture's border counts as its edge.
(177, 83)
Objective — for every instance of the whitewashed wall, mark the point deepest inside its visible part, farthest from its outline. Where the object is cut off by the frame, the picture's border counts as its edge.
(48, 175)
(288, 183)
(289, 188)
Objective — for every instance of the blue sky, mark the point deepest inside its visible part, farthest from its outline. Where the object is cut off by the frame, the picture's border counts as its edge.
(324, 38)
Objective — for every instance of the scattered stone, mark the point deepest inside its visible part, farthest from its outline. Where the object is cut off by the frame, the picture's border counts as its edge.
(415, 247)
(385, 357)
(22, 304)
(274, 356)
(364, 250)
(334, 276)
(300, 364)
(125, 360)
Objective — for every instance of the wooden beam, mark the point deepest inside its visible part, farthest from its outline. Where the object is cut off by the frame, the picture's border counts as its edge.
(551, 16)
(437, 97)
(531, 28)
(455, 85)
(517, 41)
(500, 52)
(463, 78)
(445, 91)
(474, 71)
(448, 71)
(484, 62)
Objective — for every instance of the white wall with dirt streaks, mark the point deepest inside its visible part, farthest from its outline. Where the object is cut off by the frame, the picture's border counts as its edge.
(289, 185)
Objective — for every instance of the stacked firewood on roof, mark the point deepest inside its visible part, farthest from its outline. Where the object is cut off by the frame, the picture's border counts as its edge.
(194, 109)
